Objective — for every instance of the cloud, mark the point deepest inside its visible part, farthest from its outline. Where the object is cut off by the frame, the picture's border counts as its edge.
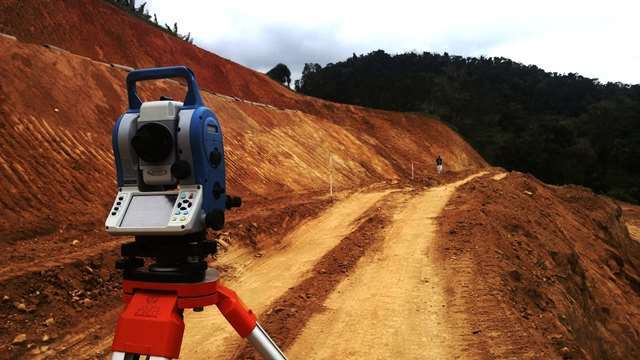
(278, 44)
(594, 38)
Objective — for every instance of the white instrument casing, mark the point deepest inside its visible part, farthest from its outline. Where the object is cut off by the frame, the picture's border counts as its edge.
(146, 213)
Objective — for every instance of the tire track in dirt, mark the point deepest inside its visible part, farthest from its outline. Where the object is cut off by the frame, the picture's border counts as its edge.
(243, 240)
(394, 303)
(258, 281)
(288, 315)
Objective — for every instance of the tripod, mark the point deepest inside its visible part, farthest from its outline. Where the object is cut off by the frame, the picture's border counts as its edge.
(156, 296)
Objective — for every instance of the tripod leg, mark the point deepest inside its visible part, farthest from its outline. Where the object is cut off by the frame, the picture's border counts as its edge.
(244, 322)
(151, 324)
(264, 345)
(129, 356)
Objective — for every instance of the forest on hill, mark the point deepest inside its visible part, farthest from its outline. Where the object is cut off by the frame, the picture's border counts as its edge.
(563, 128)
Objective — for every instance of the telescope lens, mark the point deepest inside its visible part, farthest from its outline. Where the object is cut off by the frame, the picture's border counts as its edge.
(153, 142)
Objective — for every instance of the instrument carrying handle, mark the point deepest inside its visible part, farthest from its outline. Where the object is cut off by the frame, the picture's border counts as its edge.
(192, 98)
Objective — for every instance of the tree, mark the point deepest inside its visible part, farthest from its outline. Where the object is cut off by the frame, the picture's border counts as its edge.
(142, 12)
(563, 128)
(307, 74)
(281, 74)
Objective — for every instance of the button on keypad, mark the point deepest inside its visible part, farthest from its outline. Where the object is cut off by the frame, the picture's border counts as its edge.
(183, 206)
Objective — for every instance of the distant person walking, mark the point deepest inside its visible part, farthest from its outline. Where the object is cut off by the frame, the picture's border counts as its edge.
(439, 165)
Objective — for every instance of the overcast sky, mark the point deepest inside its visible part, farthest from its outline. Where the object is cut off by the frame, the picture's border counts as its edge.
(597, 39)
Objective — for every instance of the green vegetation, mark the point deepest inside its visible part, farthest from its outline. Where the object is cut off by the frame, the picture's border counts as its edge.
(141, 12)
(563, 128)
(281, 74)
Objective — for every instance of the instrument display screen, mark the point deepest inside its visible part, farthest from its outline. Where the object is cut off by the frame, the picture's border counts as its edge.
(148, 211)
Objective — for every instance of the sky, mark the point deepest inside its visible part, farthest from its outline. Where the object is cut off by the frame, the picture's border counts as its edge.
(596, 39)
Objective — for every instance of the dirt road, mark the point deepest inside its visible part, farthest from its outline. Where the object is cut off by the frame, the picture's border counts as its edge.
(261, 280)
(393, 305)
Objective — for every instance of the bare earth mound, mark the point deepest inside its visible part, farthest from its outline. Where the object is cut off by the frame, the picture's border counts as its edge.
(552, 270)
(57, 110)
(502, 266)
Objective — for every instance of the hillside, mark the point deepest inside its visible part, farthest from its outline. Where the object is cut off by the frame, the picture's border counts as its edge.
(70, 112)
(472, 263)
(558, 262)
(127, 40)
(57, 110)
(563, 128)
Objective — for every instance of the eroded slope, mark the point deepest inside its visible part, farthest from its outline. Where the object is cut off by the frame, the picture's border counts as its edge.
(542, 270)
(58, 109)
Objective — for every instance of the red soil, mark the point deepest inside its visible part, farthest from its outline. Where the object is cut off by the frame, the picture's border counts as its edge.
(548, 268)
(127, 40)
(290, 312)
(540, 271)
(552, 269)
(56, 166)
(75, 25)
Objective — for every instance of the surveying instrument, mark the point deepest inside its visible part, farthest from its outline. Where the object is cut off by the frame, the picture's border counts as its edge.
(170, 172)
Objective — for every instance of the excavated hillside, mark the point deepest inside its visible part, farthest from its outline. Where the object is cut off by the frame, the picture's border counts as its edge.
(75, 25)
(473, 263)
(58, 110)
(129, 41)
(554, 269)
(78, 99)
(58, 107)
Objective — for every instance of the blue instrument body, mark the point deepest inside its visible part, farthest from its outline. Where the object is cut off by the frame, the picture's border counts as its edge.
(196, 127)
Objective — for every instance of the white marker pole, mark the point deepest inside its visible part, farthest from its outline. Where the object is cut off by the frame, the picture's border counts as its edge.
(412, 170)
(331, 174)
